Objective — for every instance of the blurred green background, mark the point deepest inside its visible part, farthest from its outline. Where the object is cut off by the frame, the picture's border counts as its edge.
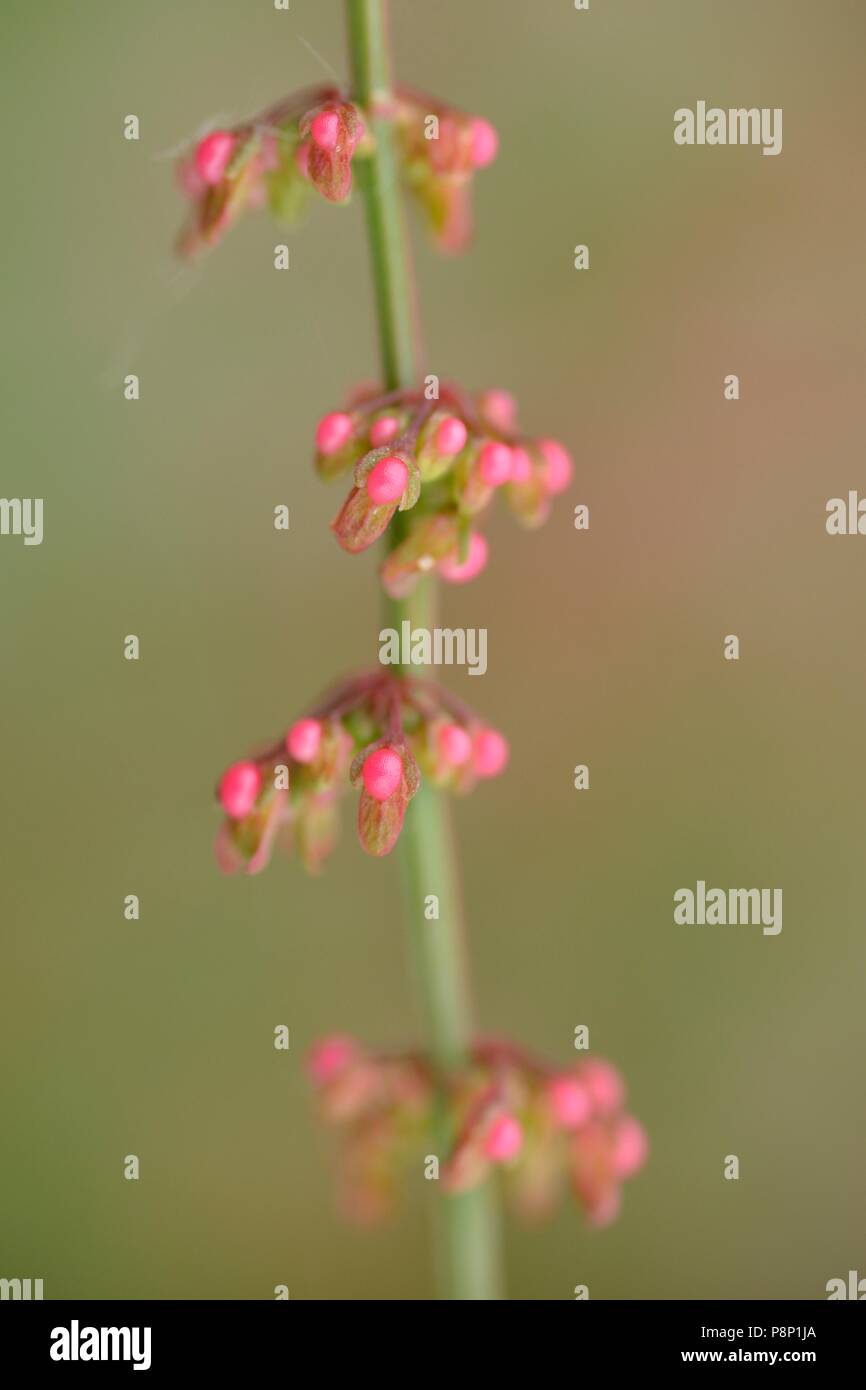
(707, 518)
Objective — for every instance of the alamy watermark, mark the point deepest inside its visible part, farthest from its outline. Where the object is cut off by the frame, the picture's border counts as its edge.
(846, 517)
(23, 1289)
(22, 516)
(720, 907)
(76, 1343)
(438, 646)
(854, 1287)
(738, 125)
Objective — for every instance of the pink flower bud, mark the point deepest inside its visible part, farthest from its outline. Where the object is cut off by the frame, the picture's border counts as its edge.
(455, 572)
(604, 1084)
(325, 130)
(489, 752)
(304, 739)
(382, 773)
(450, 436)
(504, 1139)
(499, 408)
(485, 142)
(521, 465)
(568, 1101)
(333, 431)
(630, 1147)
(455, 745)
(558, 465)
(494, 463)
(329, 1057)
(239, 789)
(213, 154)
(383, 430)
(387, 479)
(333, 134)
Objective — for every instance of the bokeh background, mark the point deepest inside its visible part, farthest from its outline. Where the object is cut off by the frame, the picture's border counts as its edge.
(707, 518)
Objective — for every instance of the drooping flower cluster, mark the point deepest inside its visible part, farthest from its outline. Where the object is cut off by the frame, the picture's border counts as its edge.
(441, 149)
(444, 460)
(310, 140)
(376, 733)
(542, 1128)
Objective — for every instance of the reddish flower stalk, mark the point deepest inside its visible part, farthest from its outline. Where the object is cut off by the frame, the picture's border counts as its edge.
(424, 472)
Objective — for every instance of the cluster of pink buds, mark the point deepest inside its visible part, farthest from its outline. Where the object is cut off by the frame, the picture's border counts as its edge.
(543, 1129)
(441, 150)
(376, 733)
(271, 161)
(310, 139)
(443, 460)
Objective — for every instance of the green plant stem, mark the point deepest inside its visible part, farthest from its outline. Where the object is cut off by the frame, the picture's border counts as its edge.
(468, 1236)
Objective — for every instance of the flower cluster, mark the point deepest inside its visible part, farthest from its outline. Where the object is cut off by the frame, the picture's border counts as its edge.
(444, 460)
(271, 161)
(310, 140)
(376, 733)
(542, 1128)
(441, 148)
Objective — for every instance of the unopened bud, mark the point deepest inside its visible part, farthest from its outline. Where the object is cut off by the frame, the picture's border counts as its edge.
(304, 739)
(455, 745)
(239, 789)
(212, 155)
(387, 480)
(504, 1139)
(485, 142)
(494, 464)
(499, 408)
(325, 130)
(383, 430)
(604, 1084)
(630, 1147)
(333, 431)
(329, 1057)
(558, 465)
(460, 573)
(568, 1101)
(382, 773)
(450, 436)
(489, 752)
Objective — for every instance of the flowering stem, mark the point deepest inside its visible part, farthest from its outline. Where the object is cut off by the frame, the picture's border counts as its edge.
(468, 1235)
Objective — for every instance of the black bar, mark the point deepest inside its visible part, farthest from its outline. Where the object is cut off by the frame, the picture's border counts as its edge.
(225, 1338)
